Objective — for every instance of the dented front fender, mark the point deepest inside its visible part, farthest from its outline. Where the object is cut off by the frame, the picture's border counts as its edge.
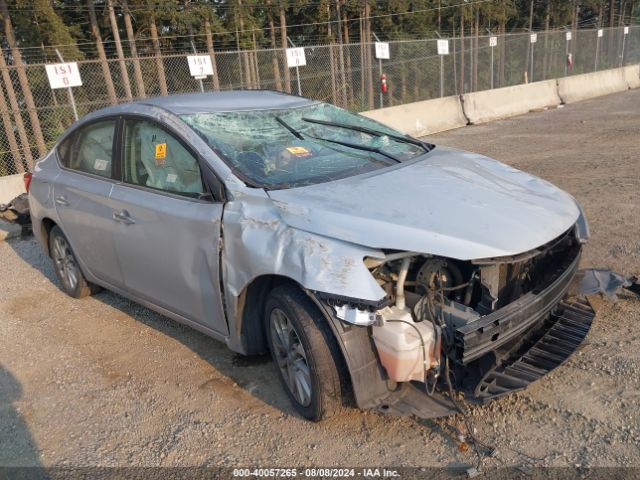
(257, 242)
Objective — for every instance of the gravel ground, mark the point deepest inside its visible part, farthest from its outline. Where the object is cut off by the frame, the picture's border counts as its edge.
(105, 382)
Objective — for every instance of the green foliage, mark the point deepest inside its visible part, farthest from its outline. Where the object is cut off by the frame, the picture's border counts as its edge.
(40, 25)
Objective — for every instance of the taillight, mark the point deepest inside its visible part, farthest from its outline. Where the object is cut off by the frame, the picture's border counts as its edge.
(27, 180)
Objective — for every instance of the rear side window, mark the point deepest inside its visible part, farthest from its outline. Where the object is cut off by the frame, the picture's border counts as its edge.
(90, 149)
(156, 159)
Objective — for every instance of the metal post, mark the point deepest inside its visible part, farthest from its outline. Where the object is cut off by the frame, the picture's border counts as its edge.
(441, 76)
(441, 70)
(297, 70)
(239, 59)
(69, 91)
(492, 68)
(624, 37)
(531, 61)
(380, 71)
(595, 66)
(566, 55)
(195, 53)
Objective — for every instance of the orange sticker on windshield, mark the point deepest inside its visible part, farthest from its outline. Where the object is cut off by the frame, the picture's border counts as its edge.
(299, 151)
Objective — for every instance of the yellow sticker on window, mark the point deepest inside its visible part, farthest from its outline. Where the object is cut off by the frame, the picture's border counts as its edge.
(299, 151)
(161, 151)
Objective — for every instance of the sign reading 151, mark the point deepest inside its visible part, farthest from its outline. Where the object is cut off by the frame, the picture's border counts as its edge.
(63, 75)
(200, 65)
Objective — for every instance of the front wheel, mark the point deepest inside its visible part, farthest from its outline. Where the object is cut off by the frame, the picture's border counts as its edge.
(305, 352)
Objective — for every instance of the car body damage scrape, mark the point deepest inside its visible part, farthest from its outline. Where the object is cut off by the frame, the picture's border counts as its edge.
(257, 242)
(408, 287)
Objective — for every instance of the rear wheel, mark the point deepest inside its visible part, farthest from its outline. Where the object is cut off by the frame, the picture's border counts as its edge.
(66, 266)
(304, 350)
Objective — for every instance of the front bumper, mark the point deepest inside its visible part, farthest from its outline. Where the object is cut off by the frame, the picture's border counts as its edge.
(538, 352)
(500, 353)
(497, 329)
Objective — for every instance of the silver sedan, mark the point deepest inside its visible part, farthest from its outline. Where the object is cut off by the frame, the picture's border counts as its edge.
(376, 268)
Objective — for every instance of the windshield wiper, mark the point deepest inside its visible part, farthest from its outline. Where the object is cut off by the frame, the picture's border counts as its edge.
(295, 132)
(358, 146)
(427, 147)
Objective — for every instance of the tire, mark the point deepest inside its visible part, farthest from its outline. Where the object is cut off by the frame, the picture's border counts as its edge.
(66, 266)
(311, 344)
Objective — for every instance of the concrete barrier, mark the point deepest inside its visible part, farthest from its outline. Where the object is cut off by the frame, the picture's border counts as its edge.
(10, 187)
(632, 76)
(422, 118)
(489, 105)
(590, 85)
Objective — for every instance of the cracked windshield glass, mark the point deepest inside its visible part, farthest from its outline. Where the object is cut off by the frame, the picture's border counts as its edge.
(302, 146)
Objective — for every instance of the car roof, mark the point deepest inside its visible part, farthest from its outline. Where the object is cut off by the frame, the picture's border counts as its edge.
(225, 101)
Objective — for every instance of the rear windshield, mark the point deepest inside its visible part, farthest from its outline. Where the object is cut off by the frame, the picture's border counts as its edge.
(293, 147)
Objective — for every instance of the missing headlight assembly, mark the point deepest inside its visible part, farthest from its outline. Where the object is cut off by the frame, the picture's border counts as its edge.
(485, 317)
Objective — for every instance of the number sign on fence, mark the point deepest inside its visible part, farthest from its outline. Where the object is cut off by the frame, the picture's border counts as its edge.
(200, 65)
(63, 75)
(295, 57)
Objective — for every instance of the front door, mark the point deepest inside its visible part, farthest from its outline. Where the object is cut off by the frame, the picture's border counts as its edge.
(168, 233)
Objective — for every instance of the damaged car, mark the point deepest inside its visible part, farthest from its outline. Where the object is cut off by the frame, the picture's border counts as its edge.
(377, 269)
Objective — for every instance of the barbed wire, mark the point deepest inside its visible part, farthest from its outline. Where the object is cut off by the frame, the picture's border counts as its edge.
(463, 3)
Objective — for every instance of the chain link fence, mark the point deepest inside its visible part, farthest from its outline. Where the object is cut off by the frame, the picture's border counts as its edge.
(347, 75)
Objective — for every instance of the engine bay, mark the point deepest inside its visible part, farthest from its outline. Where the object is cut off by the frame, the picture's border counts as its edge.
(432, 299)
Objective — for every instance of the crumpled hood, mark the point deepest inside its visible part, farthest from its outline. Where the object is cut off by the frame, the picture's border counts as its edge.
(450, 203)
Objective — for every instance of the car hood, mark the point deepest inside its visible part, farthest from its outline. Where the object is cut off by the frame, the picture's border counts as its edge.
(448, 203)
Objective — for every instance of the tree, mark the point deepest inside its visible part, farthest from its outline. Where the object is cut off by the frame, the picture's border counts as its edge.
(22, 78)
(137, 71)
(50, 30)
(104, 64)
(124, 74)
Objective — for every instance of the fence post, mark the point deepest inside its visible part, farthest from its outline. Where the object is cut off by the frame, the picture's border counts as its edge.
(72, 99)
(297, 70)
(598, 33)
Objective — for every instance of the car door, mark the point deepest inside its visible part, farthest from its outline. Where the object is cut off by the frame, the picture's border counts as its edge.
(168, 227)
(81, 193)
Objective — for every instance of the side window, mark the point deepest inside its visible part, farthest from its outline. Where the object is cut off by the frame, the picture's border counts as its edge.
(154, 158)
(90, 149)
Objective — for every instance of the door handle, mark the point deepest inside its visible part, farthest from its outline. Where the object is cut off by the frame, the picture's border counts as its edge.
(123, 217)
(62, 200)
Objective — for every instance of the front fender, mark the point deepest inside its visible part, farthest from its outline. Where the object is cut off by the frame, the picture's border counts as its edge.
(257, 242)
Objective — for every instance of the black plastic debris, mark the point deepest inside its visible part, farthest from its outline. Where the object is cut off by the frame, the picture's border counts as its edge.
(599, 280)
(17, 210)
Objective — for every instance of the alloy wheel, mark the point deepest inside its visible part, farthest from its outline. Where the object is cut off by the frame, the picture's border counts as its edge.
(65, 263)
(290, 356)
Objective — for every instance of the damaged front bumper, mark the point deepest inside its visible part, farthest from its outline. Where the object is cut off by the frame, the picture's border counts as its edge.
(501, 353)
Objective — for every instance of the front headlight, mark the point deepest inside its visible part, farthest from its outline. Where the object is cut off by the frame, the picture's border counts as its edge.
(582, 227)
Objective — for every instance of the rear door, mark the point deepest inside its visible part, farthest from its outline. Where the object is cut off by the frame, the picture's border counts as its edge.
(81, 193)
(168, 227)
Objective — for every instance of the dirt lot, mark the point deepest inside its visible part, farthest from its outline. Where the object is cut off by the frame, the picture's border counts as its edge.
(103, 381)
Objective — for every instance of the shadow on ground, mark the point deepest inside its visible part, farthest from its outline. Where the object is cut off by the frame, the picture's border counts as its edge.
(17, 447)
(255, 374)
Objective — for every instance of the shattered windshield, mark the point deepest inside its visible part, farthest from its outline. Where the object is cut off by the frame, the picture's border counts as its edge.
(283, 148)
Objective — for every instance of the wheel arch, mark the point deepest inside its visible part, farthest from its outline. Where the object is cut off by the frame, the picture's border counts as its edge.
(249, 317)
(46, 225)
(251, 325)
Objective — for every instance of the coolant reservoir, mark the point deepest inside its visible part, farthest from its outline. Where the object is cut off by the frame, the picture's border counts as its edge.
(400, 347)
